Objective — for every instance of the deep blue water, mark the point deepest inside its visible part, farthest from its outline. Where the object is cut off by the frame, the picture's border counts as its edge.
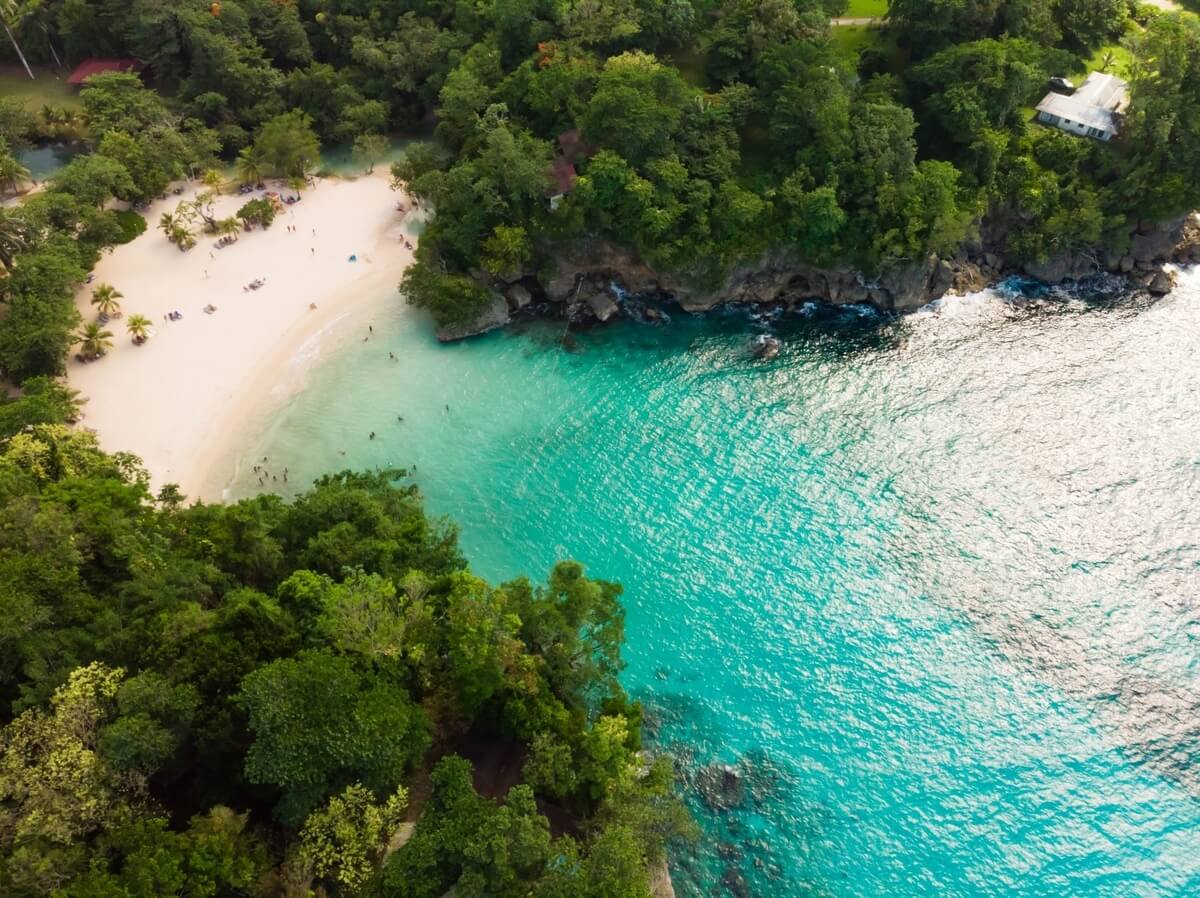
(929, 582)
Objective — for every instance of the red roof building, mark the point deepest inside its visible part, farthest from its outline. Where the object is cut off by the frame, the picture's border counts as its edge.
(90, 67)
(573, 146)
(563, 174)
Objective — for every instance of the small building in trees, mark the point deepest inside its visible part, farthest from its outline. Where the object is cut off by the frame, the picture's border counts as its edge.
(562, 171)
(90, 67)
(1093, 110)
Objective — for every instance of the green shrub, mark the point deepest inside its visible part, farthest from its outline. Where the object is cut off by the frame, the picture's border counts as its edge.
(131, 224)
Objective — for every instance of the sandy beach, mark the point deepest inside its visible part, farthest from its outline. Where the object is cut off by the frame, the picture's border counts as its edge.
(177, 400)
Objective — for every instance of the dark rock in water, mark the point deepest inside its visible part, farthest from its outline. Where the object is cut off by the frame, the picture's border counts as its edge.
(970, 278)
(1162, 284)
(721, 787)
(727, 851)
(764, 776)
(603, 306)
(735, 883)
(494, 316)
(569, 343)
(765, 347)
(518, 297)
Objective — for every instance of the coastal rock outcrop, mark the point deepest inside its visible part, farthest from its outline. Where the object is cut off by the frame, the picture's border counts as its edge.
(580, 276)
(493, 316)
(1151, 245)
(1069, 266)
(518, 297)
(1162, 283)
(603, 306)
(584, 271)
(660, 880)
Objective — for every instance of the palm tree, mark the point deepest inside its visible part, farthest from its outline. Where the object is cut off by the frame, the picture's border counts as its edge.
(168, 222)
(229, 227)
(14, 237)
(250, 166)
(60, 123)
(94, 341)
(139, 328)
(10, 17)
(183, 238)
(12, 173)
(38, 13)
(104, 298)
(212, 179)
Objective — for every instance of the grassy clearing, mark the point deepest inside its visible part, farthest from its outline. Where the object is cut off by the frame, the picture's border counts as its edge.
(1112, 58)
(870, 9)
(49, 86)
(851, 40)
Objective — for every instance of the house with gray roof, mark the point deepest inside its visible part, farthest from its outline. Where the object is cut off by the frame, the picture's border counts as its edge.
(1093, 110)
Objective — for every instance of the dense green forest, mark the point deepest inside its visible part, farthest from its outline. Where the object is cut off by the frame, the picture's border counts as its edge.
(711, 130)
(251, 699)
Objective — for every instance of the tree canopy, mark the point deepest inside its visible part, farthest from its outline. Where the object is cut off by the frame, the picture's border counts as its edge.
(200, 699)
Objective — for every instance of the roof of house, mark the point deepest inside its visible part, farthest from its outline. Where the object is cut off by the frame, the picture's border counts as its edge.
(573, 145)
(563, 174)
(1096, 104)
(90, 67)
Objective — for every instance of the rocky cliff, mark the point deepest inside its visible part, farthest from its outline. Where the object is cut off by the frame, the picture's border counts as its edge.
(579, 280)
(1151, 246)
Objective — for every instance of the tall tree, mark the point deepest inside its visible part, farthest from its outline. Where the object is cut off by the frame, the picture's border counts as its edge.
(320, 725)
(11, 14)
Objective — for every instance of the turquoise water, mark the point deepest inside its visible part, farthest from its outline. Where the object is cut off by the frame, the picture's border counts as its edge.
(929, 582)
(45, 162)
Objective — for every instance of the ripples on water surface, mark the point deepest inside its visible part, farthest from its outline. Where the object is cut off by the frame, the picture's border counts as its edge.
(932, 580)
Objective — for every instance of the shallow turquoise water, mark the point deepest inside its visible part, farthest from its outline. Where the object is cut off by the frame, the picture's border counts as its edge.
(931, 581)
(45, 162)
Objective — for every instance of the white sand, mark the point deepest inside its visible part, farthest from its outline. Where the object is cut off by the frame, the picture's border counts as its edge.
(177, 400)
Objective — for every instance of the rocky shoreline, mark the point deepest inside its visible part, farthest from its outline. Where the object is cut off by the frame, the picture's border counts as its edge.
(578, 285)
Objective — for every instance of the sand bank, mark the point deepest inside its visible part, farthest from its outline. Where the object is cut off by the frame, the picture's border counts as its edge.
(177, 400)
